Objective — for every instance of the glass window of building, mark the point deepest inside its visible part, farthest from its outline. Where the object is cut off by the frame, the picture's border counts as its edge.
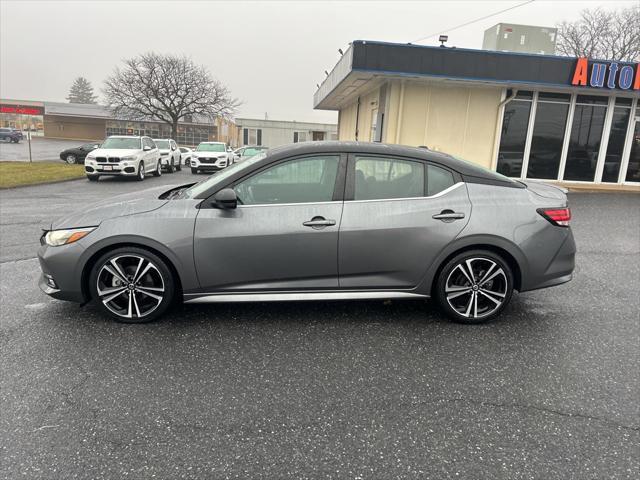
(548, 135)
(586, 135)
(617, 136)
(514, 134)
(633, 170)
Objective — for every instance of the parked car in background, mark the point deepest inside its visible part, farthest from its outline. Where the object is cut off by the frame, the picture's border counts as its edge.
(186, 154)
(127, 156)
(75, 155)
(19, 132)
(10, 135)
(211, 157)
(317, 221)
(245, 153)
(169, 154)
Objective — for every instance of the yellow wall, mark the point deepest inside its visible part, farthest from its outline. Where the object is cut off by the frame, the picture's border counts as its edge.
(457, 120)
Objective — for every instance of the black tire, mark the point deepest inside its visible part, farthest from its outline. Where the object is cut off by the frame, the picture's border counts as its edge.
(127, 260)
(179, 166)
(71, 159)
(141, 173)
(158, 172)
(93, 178)
(171, 168)
(471, 302)
(194, 170)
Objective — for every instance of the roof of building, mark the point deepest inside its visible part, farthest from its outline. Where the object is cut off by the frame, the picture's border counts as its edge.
(367, 64)
(264, 123)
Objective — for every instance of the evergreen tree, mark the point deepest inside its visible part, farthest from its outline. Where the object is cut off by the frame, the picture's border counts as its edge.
(81, 91)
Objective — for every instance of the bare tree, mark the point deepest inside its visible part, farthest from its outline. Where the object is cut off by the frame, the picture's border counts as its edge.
(602, 34)
(81, 91)
(167, 88)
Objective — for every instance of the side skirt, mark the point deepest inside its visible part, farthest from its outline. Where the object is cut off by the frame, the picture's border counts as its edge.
(296, 296)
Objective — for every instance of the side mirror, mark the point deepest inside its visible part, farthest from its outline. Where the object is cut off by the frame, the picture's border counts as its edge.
(146, 148)
(225, 199)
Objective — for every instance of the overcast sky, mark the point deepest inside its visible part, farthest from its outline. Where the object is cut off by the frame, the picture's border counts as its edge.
(270, 54)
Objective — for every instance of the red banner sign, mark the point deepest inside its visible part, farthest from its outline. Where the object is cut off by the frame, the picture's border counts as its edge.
(21, 110)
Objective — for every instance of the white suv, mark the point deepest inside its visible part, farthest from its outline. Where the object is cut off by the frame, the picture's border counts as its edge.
(124, 155)
(170, 156)
(211, 157)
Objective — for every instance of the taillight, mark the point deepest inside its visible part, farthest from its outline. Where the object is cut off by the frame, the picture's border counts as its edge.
(557, 216)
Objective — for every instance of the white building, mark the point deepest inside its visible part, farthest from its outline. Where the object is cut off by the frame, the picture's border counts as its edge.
(272, 133)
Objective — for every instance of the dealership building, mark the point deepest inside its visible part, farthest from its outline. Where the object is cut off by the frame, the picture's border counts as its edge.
(572, 121)
(90, 122)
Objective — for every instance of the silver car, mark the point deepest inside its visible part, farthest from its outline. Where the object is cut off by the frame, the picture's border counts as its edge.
(317, 221)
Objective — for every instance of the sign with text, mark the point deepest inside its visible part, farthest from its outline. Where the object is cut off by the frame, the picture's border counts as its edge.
(609, 75)
(21, 109)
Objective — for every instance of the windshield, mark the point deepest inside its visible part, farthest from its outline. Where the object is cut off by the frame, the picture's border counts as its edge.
(220, 177)
(162, 143)
(211, 147)
(250, 152)
(122, 143)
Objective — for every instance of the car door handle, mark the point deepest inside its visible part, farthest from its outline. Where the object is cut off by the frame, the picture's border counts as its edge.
(448, 215)
(319, 222)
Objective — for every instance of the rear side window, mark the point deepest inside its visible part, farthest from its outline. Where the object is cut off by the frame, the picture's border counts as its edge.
(438, 179)
(385, 178)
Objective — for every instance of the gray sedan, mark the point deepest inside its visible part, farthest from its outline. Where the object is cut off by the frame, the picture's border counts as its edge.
(317, 221)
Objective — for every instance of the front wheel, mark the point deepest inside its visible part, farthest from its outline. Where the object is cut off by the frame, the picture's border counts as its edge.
(194, 170)
(474, 286)
(141, 172)
(71, 159)
(132, 285)
(93, 178)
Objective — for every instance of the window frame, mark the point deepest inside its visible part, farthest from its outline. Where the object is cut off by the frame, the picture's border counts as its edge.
(350, 180)
(338, 187)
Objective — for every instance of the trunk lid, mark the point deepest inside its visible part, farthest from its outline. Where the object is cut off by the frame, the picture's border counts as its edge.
(545, 190)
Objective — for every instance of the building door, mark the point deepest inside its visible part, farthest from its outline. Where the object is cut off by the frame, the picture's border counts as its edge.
(633, 168)
(318, 136)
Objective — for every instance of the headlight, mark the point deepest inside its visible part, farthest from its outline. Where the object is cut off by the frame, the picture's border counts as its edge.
(130, 158)
(55, 238)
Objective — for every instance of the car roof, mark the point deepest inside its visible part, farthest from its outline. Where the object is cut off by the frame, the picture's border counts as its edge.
(220, 143)
(463, 167)
(167, 139)
(127, 136)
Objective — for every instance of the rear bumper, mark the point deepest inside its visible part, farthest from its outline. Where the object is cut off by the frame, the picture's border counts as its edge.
(559, 268)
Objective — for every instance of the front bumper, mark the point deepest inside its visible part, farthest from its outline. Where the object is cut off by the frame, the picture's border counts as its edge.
(61, 265)
(212, 166)
(112, 169)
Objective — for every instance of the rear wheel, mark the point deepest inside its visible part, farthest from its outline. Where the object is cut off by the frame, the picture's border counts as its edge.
(158, 171)
(179, 166)
(474, 286)
(132, 285)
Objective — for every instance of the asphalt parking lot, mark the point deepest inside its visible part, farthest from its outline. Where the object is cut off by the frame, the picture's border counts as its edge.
(42, 149)
(323, 389)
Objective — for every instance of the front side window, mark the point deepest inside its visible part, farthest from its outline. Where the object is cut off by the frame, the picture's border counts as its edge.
(385, 178)
(303, 180)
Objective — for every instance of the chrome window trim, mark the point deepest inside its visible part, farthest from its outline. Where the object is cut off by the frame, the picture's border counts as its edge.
(288, 204)
(439, 194)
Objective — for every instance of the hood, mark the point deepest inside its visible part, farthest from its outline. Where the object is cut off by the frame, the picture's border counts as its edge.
(114, 152)
(118, 206)
(545, 190)
(210, 154)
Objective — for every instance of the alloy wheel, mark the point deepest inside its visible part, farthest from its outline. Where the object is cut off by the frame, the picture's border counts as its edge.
(71, 159)
(130, 286)
(476, 287)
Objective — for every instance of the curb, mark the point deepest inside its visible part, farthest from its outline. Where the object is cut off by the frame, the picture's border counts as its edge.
(42, 183)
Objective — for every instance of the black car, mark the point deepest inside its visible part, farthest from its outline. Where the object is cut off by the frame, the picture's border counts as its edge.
(77, 154)
(10, 135)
